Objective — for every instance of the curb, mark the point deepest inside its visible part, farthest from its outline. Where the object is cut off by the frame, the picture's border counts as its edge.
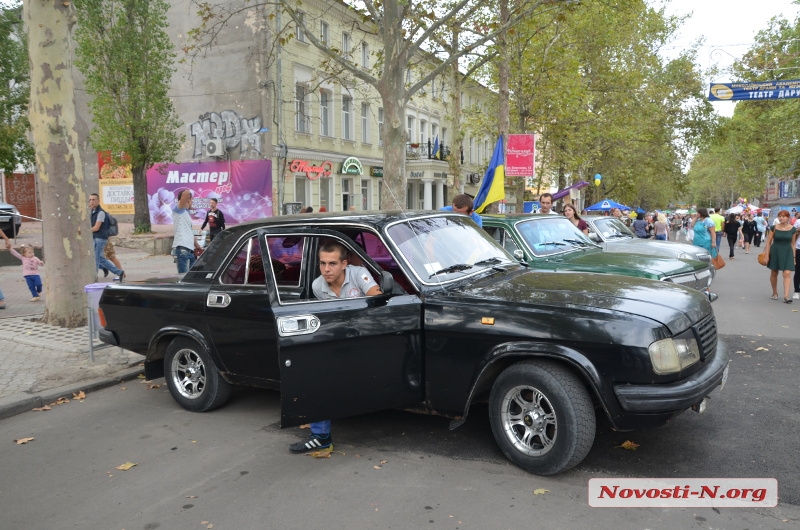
(19, 403)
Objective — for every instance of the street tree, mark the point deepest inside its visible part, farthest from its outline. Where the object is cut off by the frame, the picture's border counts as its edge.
(126, 56)
(407, 31)
(15, 149)
(67, 236)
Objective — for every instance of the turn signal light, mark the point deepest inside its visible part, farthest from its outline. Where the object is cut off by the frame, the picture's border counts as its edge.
(102, 317)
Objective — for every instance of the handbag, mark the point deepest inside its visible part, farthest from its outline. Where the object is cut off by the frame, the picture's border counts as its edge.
(763, 258)
(718, 262)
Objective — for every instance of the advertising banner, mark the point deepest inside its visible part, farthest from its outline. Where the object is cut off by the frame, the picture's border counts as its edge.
(755, 90)
(115, 185)
(520, 155)
(243, 189)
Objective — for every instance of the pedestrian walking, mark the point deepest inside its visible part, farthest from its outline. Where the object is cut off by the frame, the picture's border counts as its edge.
(184, 243)
(749, 230)
(215, 220)
(30, 270)
(796, 295)
(661, 228)
(781, 249)
(761, 225)
(731, 228)
(99, 221)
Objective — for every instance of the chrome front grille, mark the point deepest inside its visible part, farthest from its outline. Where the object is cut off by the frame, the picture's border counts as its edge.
(706, 332)
(699, 280)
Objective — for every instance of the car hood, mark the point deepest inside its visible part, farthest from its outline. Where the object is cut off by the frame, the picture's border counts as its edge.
(672, 305)
(655, 247)
(628, 264)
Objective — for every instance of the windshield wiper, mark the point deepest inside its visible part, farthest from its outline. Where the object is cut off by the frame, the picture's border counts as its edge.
(576, 242)
(452, 268)
(556, 243)
(489, 261)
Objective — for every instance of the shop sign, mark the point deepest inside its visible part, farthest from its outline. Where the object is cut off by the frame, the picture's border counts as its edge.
(311, 171)
(416, 175)
(376, 171)
(352, 166)
(440, 175)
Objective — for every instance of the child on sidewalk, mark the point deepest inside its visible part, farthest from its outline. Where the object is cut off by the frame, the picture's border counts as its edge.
(30, 270)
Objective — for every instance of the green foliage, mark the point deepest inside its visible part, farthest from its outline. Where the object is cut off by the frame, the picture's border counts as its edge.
(593, 84)
(760, 140)
(126, 56)
(15, 149)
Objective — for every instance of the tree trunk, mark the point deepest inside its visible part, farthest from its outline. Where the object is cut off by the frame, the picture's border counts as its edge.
(454, 160)
(141, 215)
(67, 235)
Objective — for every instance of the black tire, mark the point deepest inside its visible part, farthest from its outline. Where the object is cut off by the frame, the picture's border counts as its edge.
(542, 417)
(192, 379)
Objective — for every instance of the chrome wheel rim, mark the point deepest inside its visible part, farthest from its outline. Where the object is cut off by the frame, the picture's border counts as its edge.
(189, 374)
(529, 420)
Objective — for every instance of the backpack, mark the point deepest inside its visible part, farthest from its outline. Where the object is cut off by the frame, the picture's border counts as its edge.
(113, 228)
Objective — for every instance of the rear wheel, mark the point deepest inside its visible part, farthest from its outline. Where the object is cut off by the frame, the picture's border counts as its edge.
(542, 417)
(192, 379)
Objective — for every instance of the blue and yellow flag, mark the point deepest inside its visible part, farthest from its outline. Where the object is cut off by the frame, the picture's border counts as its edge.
(493, 185)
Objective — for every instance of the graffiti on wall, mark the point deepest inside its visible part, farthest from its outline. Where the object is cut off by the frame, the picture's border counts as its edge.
(228, 126)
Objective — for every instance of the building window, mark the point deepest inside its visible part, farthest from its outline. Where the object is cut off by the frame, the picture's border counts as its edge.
(325, 113)
(435, 132)
(380, 127)
(325, 193)
(443, 138)
(347, 195)
(302, 190)
(325, 33)
(347, 117)
(365, 55)
(300, 34)
(302, 114)
(471, 150)
(410, 129)
(365, 123)
(366, 195)
(423, 129)
(346, 47)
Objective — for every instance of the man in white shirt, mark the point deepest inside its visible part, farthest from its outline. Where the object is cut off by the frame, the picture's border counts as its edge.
(184, 243)
(546, 204)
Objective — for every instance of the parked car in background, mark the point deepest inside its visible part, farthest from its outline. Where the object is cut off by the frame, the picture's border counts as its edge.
(459, 322)
(10, 220)
(612, 234)
(554, 243)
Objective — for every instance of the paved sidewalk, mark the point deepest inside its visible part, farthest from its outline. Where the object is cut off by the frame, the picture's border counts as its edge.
(41, 363)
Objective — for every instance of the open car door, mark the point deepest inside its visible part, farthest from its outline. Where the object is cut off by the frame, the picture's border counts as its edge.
(339, 357)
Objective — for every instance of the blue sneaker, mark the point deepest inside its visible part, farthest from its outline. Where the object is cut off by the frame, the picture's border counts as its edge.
(314, 442)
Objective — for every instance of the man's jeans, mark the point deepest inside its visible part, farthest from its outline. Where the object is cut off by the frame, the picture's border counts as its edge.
(185, 258)
(100, 258)
(719, 237)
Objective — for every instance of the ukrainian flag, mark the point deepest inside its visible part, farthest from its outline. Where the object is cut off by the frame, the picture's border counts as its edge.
(493, 185)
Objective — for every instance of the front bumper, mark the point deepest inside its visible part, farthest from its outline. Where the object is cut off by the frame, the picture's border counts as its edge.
(675, 397)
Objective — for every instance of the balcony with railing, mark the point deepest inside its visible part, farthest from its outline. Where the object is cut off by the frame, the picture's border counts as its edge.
(425, 151)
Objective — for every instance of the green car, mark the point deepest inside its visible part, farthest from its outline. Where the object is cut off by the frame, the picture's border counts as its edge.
(552, 242)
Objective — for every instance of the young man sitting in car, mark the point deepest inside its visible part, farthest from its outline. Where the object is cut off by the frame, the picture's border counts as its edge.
(337, 279)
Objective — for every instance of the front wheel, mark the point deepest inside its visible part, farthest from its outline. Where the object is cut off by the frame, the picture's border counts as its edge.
(192, 379)
(542, 417)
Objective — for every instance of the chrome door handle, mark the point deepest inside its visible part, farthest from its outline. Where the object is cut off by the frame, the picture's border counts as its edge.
(297, 325)
(218, 300)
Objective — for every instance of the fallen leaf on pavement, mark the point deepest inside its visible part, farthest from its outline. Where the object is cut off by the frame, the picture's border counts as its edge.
(122, 388)
(191, 496)
(126, 466)
(42, 408)
(384, 461)
(762, 348)
(23, 441)
(629, 445)
(140, 376)
(79, 395)
(540, 491)
(150, 387)
(305, 426)
(376, 467)
(59, 401)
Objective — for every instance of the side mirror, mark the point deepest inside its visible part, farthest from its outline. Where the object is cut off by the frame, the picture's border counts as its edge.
(519, 255)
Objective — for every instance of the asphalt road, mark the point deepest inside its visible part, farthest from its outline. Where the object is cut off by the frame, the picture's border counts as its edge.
(231, 468)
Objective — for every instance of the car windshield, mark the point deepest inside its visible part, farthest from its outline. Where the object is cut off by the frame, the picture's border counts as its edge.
(444, 248)
(552, 235)
(612, 228)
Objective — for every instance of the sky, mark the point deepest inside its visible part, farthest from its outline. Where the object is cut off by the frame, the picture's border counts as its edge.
(728, 29)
